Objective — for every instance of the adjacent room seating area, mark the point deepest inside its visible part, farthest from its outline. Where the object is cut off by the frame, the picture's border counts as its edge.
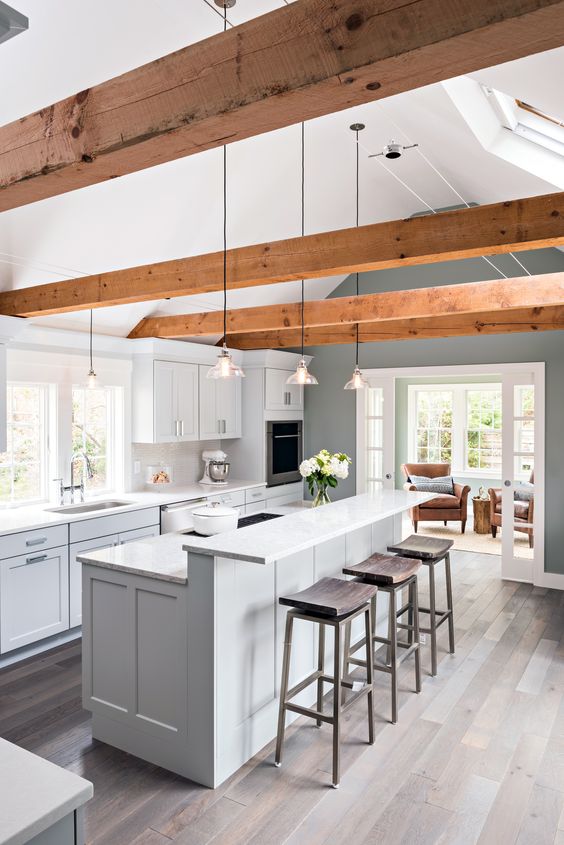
(446, 507)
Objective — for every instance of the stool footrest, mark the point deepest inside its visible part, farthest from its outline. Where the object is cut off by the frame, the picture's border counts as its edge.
(309, 711)
(440, 617)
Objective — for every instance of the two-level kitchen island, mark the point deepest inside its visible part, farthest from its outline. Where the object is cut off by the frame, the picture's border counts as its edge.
(183, 635)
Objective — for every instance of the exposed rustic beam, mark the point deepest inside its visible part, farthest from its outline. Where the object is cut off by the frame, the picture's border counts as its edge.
(510, 226)
(296, 63)
(521, 292)
(502, 322)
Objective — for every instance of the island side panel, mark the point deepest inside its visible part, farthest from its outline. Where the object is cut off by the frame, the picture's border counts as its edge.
(137, 689)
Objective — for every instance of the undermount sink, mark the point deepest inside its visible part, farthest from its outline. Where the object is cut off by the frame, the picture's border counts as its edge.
(86, 507)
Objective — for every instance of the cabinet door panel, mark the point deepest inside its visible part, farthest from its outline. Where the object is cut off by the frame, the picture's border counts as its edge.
(165, 402)
(34, 597)
(276, 389)
(209, 417)
(186, 389)
(229, 407)
(75, 573)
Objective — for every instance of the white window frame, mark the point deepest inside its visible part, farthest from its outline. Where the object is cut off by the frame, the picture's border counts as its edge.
(46, 413)
(459, 424)
(114, 449)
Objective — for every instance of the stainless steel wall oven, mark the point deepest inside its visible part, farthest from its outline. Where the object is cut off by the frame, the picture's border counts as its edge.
(283, 451)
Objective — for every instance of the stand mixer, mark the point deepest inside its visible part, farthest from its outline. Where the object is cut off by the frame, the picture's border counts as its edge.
(216, 467)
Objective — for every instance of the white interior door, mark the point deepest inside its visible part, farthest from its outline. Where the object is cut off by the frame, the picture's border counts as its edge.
(375, 436)
(522, 505)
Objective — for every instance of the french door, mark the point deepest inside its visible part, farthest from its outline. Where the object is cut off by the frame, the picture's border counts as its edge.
(521, 534)
(375, 436)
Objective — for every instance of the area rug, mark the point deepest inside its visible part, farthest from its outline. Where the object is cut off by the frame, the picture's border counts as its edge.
(471, 542)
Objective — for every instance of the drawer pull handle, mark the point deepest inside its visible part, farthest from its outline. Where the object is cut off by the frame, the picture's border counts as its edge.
(36, 558)
(37, 542)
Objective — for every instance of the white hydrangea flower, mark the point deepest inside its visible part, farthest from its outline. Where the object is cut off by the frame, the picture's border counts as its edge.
(307, 467)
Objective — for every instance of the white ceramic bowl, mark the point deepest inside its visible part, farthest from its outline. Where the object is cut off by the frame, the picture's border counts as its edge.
(214, 519)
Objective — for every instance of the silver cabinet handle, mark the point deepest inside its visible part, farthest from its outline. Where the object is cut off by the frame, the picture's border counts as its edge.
(219, 426)
(176, 428)
(224, 426)
(182, 428)
(37, 542)
(36, 558)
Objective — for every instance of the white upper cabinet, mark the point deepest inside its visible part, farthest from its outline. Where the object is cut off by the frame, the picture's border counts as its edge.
(220, 407)
(165, 402)
(280, 396)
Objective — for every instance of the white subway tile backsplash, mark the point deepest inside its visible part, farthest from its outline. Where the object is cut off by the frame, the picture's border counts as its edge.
(184, 458)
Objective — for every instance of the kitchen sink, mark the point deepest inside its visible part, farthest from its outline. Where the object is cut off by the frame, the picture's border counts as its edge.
(87, 507)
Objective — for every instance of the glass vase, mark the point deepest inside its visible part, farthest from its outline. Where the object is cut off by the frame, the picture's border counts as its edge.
(321, 498)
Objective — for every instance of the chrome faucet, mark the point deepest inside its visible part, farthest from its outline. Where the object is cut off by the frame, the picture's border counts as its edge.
(87, 468)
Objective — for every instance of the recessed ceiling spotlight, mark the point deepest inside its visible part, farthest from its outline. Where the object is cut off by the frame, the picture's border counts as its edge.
(11, 22)
(393, 150)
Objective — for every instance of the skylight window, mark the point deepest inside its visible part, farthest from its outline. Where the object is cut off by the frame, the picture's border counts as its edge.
(527, 121)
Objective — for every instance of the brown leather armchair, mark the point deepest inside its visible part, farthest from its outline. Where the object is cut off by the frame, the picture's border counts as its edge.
(523, 512)
(443, 508)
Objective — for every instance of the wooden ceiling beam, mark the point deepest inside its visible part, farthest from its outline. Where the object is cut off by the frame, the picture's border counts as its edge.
(469, 298)
(530, 223)
(486, 323)
(296, 63)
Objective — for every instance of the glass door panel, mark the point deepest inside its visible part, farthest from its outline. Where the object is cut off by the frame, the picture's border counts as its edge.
(375, 410)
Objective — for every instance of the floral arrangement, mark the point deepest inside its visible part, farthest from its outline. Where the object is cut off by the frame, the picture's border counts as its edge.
(322, 471)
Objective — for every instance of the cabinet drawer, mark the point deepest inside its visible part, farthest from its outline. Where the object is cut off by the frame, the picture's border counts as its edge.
(34, 597)
(255, 494)
(100, 526)
(232, 500)
(26, 542)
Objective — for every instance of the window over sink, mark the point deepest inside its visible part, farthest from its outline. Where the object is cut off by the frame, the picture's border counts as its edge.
(24, 465)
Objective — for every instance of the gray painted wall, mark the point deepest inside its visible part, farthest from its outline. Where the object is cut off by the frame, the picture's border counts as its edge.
(330, 418)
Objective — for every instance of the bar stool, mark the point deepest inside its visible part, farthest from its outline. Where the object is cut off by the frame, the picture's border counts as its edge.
(331, 602)
(431, 551)
(391, 574)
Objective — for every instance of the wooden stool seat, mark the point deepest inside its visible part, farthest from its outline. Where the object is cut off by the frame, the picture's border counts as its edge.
(423, 548)
(431, 551)
(384, 569)
(331, 597)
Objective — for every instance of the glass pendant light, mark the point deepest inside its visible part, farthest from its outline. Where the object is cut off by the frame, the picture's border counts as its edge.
(302, 374)
(92, 378)
(357, 381)
(225, 367)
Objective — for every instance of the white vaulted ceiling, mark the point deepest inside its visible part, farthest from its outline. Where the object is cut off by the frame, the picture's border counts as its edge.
(174, 209)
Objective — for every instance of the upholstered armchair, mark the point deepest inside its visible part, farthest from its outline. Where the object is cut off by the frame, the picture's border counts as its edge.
(524, 509)
(444, 508)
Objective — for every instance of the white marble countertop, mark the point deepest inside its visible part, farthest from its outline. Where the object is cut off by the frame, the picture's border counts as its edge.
(305, 527)
(34, 794)
(13, 520)
(299, 528)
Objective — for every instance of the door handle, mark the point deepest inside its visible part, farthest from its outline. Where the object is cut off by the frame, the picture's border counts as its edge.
(36, 558)
(507, 483)
(388, 476)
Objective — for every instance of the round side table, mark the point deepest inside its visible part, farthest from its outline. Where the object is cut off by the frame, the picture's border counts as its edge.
(481, 516)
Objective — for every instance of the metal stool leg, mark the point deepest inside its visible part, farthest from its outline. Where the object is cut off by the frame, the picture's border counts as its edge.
(449, 604)
(337, 709)
(432, 619)
(368, 625)
(284, 687)
(391, 625)
(410, 614)
(414, 596)
(394, 655)
(321, 668)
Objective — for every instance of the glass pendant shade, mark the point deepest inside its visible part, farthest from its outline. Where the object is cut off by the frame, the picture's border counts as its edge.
(302, 375)
(225, 367)
(357, 382)
(92, 380)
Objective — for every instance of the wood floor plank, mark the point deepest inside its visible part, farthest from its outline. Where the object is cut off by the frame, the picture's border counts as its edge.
(475, 800)
(542, 816)
(534, 674)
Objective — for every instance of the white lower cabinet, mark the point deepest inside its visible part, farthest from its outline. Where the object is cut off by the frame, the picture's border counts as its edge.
(34, 590)
(75, 568)
(255, 507)
(75, 573)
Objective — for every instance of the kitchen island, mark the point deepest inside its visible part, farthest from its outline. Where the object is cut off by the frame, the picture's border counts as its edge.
(183, 635)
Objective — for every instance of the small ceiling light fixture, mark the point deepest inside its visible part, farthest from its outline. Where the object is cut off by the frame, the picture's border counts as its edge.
(393, 150)
(92, 380)
(357, 381)
(225, 367)
(302, 374)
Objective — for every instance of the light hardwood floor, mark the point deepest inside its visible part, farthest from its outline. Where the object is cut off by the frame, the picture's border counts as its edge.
(478, 756)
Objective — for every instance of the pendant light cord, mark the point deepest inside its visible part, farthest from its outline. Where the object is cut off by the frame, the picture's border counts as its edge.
(303, 224)
(91, 366)
(357, 204)
(225, 220)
